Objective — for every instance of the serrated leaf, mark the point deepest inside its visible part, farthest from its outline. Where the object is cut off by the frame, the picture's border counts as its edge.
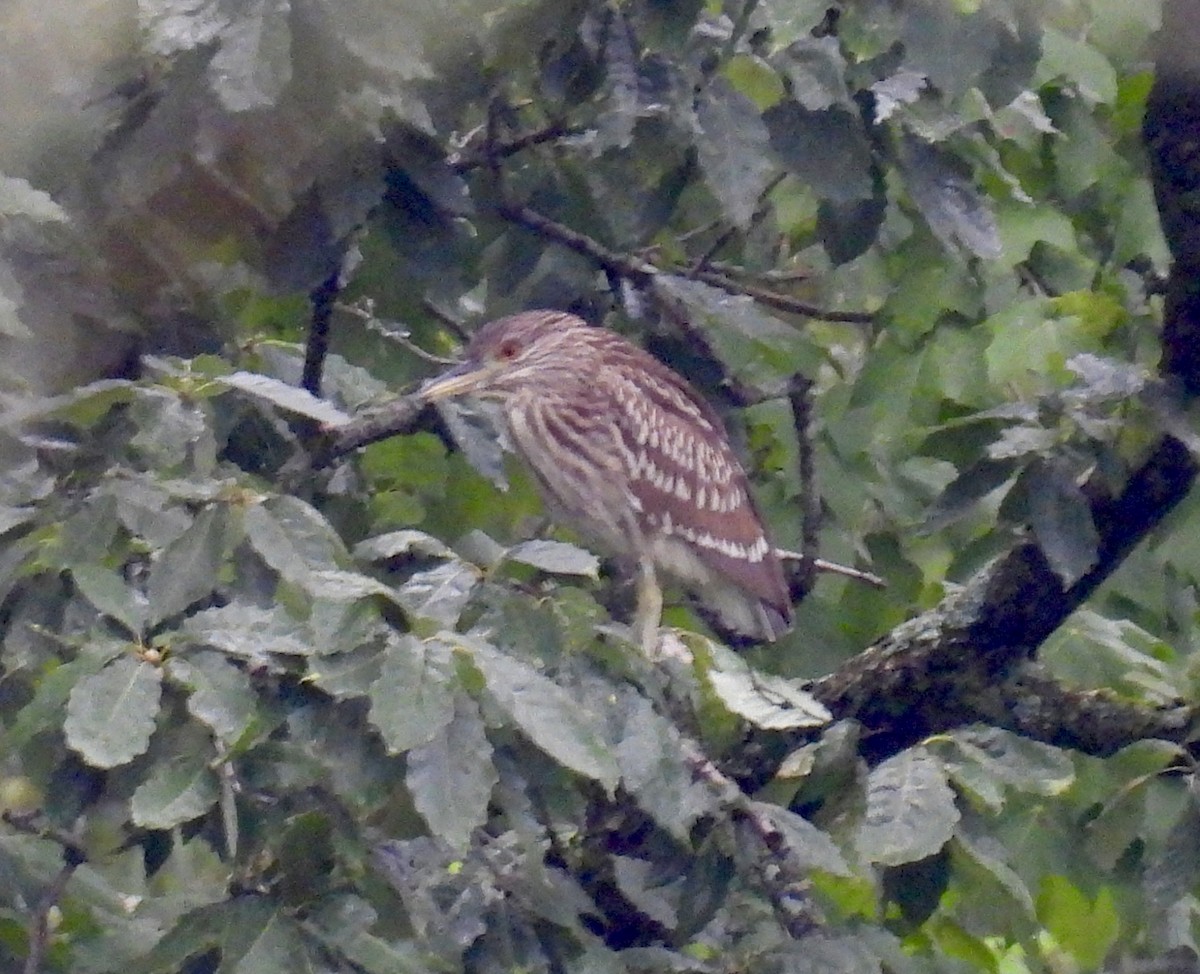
(293, 538)
(333, 585)
(111, 714)
(911, 812)
(249, 632)
(547, 714)
(253, 64)
(653, 769)
(107, 591)
(439, 594)
(174, 793)
(555, 556)
(1061, 519)
(764, 700)
(187, 569)
(451, 777)
(290, 398)
(1014, 761)
(816, 69)
(955, 211)
(413, 698)
(393, 543)
(732, 146)
(220, 693)
(805, 843)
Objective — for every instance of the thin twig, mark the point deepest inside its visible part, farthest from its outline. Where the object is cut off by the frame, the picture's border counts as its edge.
(639, 271)
(760, 213)
(74, 856)
(467, 159)
(449, 322)
(831, 567)
(364, 310)
(782, 302)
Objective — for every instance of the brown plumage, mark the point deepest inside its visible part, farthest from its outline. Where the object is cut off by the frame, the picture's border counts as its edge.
(629, 454)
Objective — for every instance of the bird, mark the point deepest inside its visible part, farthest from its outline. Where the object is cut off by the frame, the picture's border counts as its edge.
(627, 453)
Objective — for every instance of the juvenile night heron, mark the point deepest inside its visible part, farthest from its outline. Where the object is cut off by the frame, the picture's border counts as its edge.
(629, 454)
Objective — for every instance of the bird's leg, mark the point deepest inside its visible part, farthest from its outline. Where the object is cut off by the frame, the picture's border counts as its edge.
(648, 615)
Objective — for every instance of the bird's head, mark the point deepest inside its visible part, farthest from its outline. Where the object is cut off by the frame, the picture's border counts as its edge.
(508, 355)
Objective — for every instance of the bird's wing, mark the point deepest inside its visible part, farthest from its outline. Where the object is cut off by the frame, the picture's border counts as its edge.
(687, 483)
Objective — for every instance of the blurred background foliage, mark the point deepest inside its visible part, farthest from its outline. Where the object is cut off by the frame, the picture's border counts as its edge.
(370, 717)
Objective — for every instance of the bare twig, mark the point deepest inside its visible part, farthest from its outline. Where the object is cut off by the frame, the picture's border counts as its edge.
(705, 259)
(638, 271)
(364, 310)
(467, 159)
(73, 857)
(782, 302)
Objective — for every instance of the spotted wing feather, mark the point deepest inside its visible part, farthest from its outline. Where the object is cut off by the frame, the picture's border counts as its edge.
(686, 481)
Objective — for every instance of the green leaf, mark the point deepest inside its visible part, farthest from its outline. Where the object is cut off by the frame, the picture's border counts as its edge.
(732, 148)
(175, 792)
(555, 556)
(766, 701)
(394, 543)
(807, 844)
(293, 538)
(553, 719)
(1085, 930)
(944, 193)
(816, 69)
(413, 698)
(292, 399)
(249, 632)
(111, 714)
(439, 594)
(451, 777)
(1061, 519)
(653, 769)
(186, 571)
(107, 591)
(220, 693)
(253, 64)
(910, 809)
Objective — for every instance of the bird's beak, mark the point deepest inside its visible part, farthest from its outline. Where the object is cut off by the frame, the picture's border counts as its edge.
(460, 380)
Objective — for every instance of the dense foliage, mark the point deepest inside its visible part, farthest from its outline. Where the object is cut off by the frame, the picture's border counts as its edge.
(280, 693)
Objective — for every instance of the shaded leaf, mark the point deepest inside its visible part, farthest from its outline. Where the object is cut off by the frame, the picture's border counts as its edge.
(828, 150)
(412, 700)
(732, 147)
(451, 777)
(249, 632)
(805, 843)
(186, 570)
(816, 69)
(547, 714)
(221, 696)
(253, 64)
(107, 591)
(653, 769)
(946, 196)
(910, 809)
(175, 792)
(111, 714)
(1061, 519)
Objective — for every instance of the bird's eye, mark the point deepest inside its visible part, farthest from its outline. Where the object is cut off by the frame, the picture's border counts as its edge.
(507, 351)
